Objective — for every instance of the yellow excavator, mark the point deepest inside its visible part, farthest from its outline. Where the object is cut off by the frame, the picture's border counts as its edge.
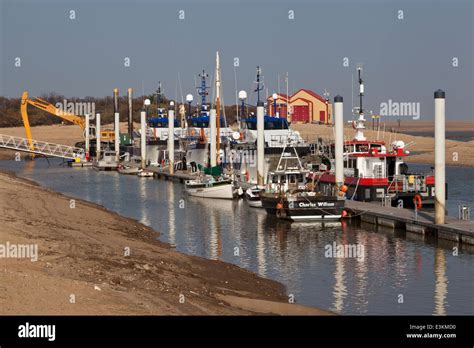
(106, 135)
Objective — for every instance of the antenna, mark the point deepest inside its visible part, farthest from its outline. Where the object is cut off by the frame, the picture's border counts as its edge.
(259, 88)
(158, 97)
(360, 123)
(361, 88)
(202, 90)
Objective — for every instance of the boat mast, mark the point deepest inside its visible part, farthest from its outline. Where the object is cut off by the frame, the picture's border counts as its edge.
(158, 100)
(218, 107)
(360, 123)
(259, 88)
(202, 91)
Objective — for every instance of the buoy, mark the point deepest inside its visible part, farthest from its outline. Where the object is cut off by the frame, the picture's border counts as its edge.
(343, 188)
(344, 213)
(279, 206)
(417, 202)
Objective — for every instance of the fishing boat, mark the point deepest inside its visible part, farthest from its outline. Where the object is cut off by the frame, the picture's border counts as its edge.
(374, 170)
(107, 162)
(127, 169)
(252, 195)
(288, 194)
(211, 187)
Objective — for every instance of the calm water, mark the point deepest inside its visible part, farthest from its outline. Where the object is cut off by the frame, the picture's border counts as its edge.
(425, 272)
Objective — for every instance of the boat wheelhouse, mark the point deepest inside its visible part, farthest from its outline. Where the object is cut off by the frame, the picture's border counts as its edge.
(290, 195)
(374, 171)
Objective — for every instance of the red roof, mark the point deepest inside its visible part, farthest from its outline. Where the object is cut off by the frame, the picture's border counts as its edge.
(280, 95)
(317, 96)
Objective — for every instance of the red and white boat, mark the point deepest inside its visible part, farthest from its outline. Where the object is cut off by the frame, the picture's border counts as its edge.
(375, 171)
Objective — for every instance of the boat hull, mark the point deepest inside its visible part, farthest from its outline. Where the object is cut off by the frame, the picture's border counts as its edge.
(308, 208)
(252, 195)
(217, 191)
(129, 171)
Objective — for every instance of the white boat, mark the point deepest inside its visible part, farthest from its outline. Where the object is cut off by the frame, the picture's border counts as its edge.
(127, 169)
(107, 162)
(209, 187)
(252, 195)
(145, 173)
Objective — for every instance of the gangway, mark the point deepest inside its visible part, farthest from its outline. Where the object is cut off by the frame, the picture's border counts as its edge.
(40, 147)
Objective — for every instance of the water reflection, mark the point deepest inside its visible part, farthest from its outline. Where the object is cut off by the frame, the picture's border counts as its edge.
(441, 282)
(261, 246)
(171, 213)
(339, 290)
(361, 274)
(144, 219)
(290, 253)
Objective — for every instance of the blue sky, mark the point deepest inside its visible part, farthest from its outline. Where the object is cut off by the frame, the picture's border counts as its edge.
(404, 60)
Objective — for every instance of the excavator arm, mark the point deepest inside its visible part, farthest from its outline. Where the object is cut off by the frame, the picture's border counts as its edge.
(106, 135)
(26, 121)
(48, 107)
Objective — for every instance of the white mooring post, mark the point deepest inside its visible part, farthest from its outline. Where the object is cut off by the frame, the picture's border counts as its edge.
(213, 131)
(97, 137)
(171, 137)
(143, 138)
(260, 143)
(88, 137)
(116, 125)
(130, 113)
(440, 157)
(339, 140)
(117, 136)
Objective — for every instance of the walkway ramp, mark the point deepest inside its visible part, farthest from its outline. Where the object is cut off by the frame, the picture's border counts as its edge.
(40, 147)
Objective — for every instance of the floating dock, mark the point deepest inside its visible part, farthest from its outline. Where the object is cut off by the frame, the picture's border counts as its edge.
(461, 231)
(163, 174)
(79, 164)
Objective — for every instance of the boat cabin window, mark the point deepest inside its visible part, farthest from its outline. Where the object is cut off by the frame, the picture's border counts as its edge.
(350, 163)
(292, 179)
(362, 148)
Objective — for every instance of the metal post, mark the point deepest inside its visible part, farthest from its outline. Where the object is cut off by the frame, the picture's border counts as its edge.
(143, 138)
(130, 113)
(97, 137)
(260, 143)
(87, 130)
(213, 135)
(339, 141)
(171, 137)
(440, 153)
(117, 136)
(116, 125)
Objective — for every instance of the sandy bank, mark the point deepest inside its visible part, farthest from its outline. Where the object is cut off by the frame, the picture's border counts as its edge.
(81, 257)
